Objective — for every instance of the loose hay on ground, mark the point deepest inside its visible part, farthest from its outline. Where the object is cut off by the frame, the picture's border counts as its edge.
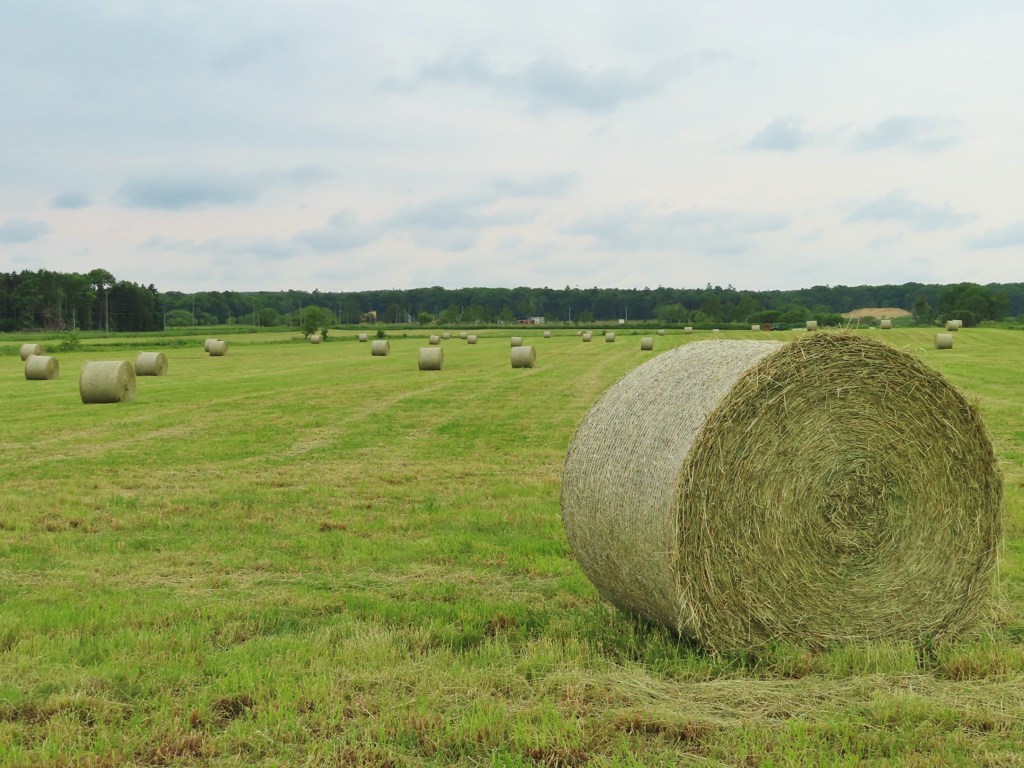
(829, 490)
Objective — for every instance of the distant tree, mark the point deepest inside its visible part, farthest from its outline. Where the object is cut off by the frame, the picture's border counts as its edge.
(671, 313)
(922, 312)
(267, 317)
(179, 318)
(586, 316)
(312, 319)
(424, 318)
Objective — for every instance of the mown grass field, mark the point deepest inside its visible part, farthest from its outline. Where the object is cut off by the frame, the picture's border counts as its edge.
(302, 555)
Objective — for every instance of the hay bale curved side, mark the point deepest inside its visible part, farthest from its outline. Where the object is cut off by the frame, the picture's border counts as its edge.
(547, 334)
(463, 335)
(206, 345)
(29, 349)
(151, 364)
(952, 325)
(434, 339)
(315, 338)
(524, 357)
(609, 337)
(108, 381)
(587, 336)
(943, 340)
(431, 358)
(661, 331)
(217, 348)
(380, 348)
(745, 492)
(812, 325)
(515, 341)
(41, 368)
(646, 343)
(688, 329)
(363, 337)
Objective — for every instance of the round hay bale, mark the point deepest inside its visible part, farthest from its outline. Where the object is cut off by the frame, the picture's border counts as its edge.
(959, 324)
(110, 381)
(364, 337)
(471, 338)
(463, 334)
(206, 345)
(943, 340)
(151, 364)
(217, 348)
(951, 326)
(715, 330)
(755, 327)
(609, 337)
(547, 334)
(446, 335)
(431, 358)
(885, 325)
(579, 333)
(516, 341)
(830, 490)
(380, 348)
(688, 329)
(434, 339)
(316, 338)
(661, 331)
(812, 325)
(30, 349)
(587, 335)
(523, 357)
(646, 344)
(41, 368)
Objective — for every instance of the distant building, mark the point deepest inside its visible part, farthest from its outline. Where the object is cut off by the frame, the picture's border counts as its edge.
(530, 321)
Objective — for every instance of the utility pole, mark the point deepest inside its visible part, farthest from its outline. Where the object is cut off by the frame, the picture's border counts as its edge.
(106, 305)
(193, 311)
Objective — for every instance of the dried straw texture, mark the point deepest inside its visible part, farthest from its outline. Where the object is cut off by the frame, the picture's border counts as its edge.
(207, 343)
(316, 338)
(646, 344)
(688, 329)
(661, 332)
(434, 339)
(609, 337)
(364, 337)
(107, 382)
(151, 364)
(547, 334)
(217, 347)
(41, 368)
(833, 489)
(471, 338)
(943, 340)
(755, 327)
(463, 334)
(951, 325)
(516, 341)
(523, 357)
(380, 347)
(812, 325)
(885, 325)
(30, 349)
(431, 358)
(587, 335)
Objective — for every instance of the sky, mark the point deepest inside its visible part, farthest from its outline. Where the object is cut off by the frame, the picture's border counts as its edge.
(346, 146)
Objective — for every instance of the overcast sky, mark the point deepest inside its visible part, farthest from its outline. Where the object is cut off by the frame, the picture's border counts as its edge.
(266, 145)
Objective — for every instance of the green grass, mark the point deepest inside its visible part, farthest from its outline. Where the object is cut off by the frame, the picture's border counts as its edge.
(303, 555)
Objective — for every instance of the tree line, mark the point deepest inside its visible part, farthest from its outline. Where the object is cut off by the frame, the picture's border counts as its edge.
(96, 300)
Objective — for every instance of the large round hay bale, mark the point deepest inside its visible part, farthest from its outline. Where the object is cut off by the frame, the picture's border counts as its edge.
(830, 490)
(217, 347)
(943, 340)
(206, 345)
(688, 329)
(363, 337)
(434, 339)
(812, 325)
(661, 331)
(951, 326)
(471, 338)
(523, 357)
(150, 364)
(516, 341)
(431, 358)
(380, 347)
(646, 343)
(41, 368)
(315, 338)
(547, 334)
(588, 335)
(609, 337)
(30, 349)
(110, 381)
(463, 334)
(885, 325)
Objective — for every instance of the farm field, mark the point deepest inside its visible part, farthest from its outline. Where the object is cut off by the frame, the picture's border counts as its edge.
(303, 555)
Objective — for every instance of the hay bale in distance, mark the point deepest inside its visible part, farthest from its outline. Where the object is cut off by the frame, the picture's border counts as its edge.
(547, 334)
(463, 334)
(688, 329)
(959, 324)
(943, 340)
(689, 496)
(111, 381)
(364, 337)
(30, 349)
(315, 338)
(661, 331)
(609, 337)
(206, 345)
(885, 325)
(755, 327)
(523, 357)
(151, 364)
(431, 358)
(587, 336)
(951, 326)
(446, 335)
(646, 344)
(715, 330)
(434, 339)
(812, 325)
(516, 341)
(579, 333)
(41, 368)
(471, 338)
(217, 348)
(380, 348)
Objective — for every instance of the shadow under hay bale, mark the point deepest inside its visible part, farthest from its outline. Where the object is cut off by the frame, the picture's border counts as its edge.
(524, 357)
(110, 381)
(151, 364)
(745, 492)
(41, 368)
